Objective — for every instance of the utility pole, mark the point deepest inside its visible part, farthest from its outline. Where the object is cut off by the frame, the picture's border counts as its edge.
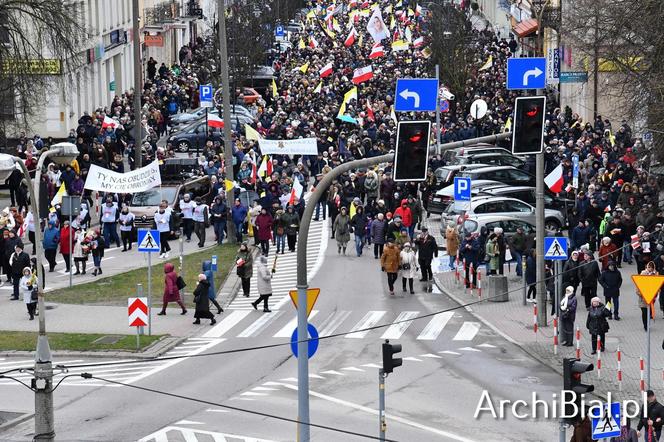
(138, 85)
(226, 100)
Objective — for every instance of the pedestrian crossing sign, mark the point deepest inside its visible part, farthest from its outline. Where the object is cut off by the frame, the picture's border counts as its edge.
(555, 248)
(148, 240)
(605, 420)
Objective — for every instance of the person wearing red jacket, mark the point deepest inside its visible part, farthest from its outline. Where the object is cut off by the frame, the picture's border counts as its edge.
(66, 234)
(406, 216)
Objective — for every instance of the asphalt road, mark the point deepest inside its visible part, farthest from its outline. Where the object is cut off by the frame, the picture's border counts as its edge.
(450, 359)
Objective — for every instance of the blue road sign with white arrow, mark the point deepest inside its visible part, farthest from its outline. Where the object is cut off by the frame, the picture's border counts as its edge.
(148, 240)
(312, 345)
(416, 94)
(605, 421)
(526, 73)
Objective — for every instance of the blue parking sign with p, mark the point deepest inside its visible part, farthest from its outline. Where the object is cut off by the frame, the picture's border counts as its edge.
(206, 92)
(279, 31)
(461, 189)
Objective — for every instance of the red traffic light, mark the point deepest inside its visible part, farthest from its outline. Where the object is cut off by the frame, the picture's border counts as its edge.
(532, 112)
(415, 138)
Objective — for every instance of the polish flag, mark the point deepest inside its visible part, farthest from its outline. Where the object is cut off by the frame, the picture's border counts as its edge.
(326, 70)
(254, 174)
(418, 42)
(370, 112)
(215, 121)
(362, 74)
(296, 192)
(352, 4)
(377, 51)
(109, 122)
(313, 44)
(351, 38)
(555, 179)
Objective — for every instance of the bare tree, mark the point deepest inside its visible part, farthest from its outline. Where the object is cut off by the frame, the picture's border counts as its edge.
(40, 40)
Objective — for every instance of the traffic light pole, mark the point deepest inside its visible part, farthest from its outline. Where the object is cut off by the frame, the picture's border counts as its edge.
(381, 404)
(539, 240)
(302, 274)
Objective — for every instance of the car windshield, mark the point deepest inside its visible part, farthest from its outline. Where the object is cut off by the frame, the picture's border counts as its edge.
(154, 196)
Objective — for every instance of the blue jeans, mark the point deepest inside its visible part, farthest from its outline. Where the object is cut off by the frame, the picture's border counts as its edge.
(359, 244)
(111, 234)
(238, 231)
(627, 251)
(519, 262)
(281, 242)
(411, 231)
(220, 231)
(320, 204)
(452, 260)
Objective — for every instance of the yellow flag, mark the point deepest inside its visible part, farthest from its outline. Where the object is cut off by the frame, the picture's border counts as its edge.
(304, 68)
(335, 25)
(330, 34)
(400, 45)
(488, 63)
(229, 185)
(301, 44)
(508, 125)
(251, 133)
(57, 199)
(311, 14)
(318, 88)
(353, 209)
(388, 10)
(359, 40)
(426, 52)
(398, 5)
(393, 115)
(393, 23)
(274, 88)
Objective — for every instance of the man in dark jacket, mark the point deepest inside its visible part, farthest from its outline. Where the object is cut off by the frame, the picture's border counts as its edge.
(519, 243)
(18, 261)
(611, 280)
(571, 271)
(426, 250)
(469, 252)
(588, 275)
(654, 419)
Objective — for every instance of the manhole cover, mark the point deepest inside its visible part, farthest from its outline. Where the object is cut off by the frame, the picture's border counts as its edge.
(529, 380)
(110, 339)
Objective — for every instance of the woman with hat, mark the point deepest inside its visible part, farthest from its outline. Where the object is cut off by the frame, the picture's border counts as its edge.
(341, 228)
(390, 262)
(408, 267)
(567, 317)
(597, 324)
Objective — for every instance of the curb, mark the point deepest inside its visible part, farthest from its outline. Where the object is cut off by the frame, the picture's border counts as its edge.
(12, 423)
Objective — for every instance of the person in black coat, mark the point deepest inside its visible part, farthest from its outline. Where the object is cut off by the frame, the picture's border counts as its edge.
(18, 261)
(588, 275)
(359, 228)
(611, 280)
(571, 271)
(597, 324)
(531, 275)
(567, 317)
(202, 301)
(426, 250)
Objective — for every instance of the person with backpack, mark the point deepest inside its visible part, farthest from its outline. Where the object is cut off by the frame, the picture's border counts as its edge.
(171, 289)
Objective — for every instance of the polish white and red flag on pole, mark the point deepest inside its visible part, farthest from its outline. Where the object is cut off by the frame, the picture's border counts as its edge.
(418, 42)
(313, 44)
(109, 122)
(554, 180)
(377, 51)
(215, 121)
(326, 70)
(296, 192)
(361, 75)
(351, 38)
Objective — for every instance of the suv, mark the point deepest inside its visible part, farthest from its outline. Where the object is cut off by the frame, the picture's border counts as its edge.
(445, 175)
(439, 201)
(505, 174)
(493, 159)
(450, 155)
(145, 204)
(528, 195)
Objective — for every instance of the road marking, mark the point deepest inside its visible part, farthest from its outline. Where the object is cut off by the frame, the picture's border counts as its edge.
(189, 434)
(260, 324)
(186, 422)
(448, 352)
(270, 383)
(395, 331)
(369, 320)
(251, 393)
(226, 324)
(287, 330)
(435, 326)
(431, 355)
(391, 417)
(217, 410)
(467, 331)
(333, 322)
(289, 380)
(315, 376)
(352, 369)
(333, 372)
(264, 389)
(487, 346)
(469, 349)
(371, 365)
(410, 358)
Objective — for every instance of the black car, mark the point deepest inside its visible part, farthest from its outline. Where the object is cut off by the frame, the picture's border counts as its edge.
(194, 136)
(505, 174)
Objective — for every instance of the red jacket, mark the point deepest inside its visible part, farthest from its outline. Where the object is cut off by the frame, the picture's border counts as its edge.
(405, 213)
(171, 291)
(65, 234)
(264, 224)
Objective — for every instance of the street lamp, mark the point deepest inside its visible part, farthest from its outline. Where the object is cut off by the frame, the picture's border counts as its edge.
(61, 153)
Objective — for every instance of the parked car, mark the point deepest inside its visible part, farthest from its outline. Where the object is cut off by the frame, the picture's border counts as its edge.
(497, 205)
(445, 175)
(193, 136)
(507, 223)
(439, 201)
(505, 174)
(493, 158)
(528, 195)
(250, 95)
(451, 154)
(196, 114)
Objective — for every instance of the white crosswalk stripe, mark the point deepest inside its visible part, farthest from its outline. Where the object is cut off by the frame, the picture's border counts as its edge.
(285, 278)
(228, 322)
(435, 326)
(395, 331)
(333, 322)
(191, 435)
(287, 330)
(259, 325)
(467, 332)
(369, 320)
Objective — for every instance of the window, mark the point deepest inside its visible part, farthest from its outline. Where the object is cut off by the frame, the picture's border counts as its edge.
(470, 226)
(4, 30)
(519, 176)
(7, 101)
(523, 195)
(517, 206)
(196, 189)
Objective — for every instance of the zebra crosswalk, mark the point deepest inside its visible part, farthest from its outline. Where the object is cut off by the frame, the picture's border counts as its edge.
(285, 277)
(351, 324)
(115, 370)
(178, 433)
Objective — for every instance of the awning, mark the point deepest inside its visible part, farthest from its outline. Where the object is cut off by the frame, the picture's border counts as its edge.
(525, 28)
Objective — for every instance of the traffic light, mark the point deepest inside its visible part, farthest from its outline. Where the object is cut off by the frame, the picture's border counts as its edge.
(528, 129)
(389, 362)
(572, 371)
(412, 155)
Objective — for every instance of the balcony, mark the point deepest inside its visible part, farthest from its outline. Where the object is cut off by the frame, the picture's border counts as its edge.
(193, 10)
(166, 12)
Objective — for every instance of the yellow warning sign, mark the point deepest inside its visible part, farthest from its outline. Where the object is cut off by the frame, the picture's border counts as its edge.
(312, 296)
(648, 286)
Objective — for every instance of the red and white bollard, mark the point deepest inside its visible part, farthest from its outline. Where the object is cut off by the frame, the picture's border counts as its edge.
(535, 320)
(479, 283)
(465, 276)
(619, 370)
(555, 336)
(578, 343)
(599, 358)
(642, 382)
(471, 277)
(456, 268)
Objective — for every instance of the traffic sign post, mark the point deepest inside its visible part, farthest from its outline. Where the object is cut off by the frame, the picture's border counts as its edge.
(526, 73)
(148, 242)
(312, 344)
(555, 248)
(648, 286)
(206, 94)
(416, 94)
(137, 310)
(462, 193)
(605, 420)
(279, 31)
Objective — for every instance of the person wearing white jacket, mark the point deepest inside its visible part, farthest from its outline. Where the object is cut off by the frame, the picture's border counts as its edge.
(26, 285)
(408, 267)
(264, 277)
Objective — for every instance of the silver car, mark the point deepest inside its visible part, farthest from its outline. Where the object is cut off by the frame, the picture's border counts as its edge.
(509, 225)
(507, 207)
